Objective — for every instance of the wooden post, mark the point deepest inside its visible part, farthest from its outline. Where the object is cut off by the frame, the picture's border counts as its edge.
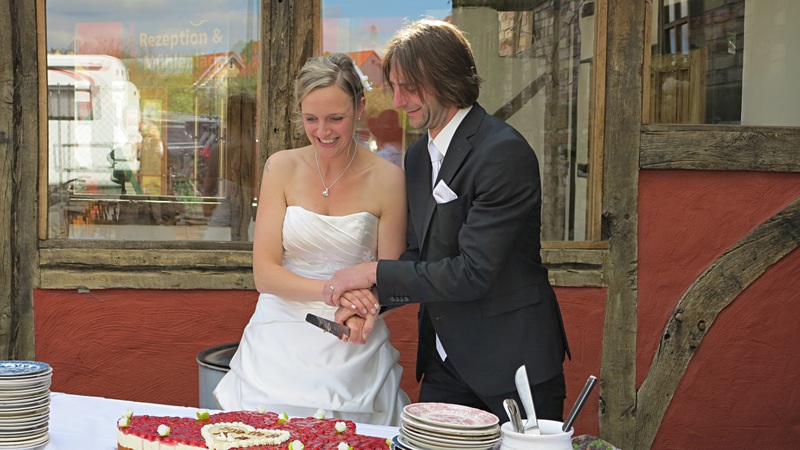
(290, 38)
(624, 53)
(19, 143)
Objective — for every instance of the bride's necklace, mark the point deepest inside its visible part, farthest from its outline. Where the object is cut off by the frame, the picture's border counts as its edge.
(321, 178)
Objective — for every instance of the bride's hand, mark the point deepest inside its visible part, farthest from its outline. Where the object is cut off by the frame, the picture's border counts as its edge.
(360, 327)
(361, 300)
(355, 278)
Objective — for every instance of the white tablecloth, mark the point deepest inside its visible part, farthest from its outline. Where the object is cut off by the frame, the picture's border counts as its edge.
(79, 422)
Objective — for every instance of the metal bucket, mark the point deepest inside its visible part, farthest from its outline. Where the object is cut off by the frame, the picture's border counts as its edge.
(213, 364)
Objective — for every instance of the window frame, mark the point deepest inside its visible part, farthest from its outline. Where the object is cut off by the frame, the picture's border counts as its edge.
(85, 264)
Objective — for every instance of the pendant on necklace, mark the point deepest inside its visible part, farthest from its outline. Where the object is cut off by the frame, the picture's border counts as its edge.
(325, 193)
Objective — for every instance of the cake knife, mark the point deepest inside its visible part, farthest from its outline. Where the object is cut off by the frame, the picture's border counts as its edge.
(330, 326)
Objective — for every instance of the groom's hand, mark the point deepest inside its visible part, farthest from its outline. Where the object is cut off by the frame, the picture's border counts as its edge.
(360, 327)
(350, 287)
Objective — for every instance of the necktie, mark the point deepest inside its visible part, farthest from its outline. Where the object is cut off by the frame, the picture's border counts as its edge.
(436, 164)
(436, 161)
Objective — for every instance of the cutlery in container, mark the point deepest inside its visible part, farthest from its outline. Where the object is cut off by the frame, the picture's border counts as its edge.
(524, 390)
(512, 409)
(576, 408)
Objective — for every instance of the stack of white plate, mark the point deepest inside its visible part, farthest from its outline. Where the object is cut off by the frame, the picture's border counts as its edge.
(444, 426)
(24, 404)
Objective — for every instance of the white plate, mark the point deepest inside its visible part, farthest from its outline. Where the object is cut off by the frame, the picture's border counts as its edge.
(28, 444)
(404, 444)
(24, 393)
(23, 423)
(21, 369)
(21, 409)
(454, 443)
(31, 400)
(472, 433)
(7, 384)
(31, 411)
(450, 415)
(24, 434)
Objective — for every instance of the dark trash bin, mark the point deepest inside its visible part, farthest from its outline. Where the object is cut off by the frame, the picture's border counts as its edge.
(213, 364)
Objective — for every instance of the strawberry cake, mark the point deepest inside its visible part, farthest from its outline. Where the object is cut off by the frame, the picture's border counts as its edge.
(241, 429)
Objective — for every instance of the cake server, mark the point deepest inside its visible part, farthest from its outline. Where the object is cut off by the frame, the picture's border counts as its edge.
(524, 390)
(330, 326)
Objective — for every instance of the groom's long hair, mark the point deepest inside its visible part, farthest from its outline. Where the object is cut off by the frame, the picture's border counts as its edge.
(435, 59)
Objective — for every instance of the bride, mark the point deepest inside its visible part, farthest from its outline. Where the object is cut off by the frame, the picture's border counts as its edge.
(323, 207)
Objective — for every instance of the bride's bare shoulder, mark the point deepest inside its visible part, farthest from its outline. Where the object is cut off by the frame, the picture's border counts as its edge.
(387, 171)
(287, 159)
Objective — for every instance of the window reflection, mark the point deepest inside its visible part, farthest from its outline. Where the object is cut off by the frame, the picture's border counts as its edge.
(536, 59)
(150, 111)
(727, 62)
(362, 31)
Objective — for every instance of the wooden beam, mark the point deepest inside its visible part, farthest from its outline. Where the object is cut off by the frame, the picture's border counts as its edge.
(7, 281)
(19, 143)
(193, 268)
(597, 123)
(290, 37)
(141, 259)
(78, 268)
(525, 95)
(709, 147)
(240, 163)
(623, 100)
(694, 314)
(78, 278)
(500, 5)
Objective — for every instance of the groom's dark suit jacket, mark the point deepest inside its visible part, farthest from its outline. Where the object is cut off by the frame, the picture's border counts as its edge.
(473, 263)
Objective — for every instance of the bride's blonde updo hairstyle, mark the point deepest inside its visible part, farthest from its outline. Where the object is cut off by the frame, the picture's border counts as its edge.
(329, 70)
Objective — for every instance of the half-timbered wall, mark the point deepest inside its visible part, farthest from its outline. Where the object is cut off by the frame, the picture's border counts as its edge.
(685, 308)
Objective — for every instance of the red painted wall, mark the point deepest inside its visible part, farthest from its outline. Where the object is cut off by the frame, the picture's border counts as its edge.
(134, 344)
(142, 344)
(583, 310)
(740, 390)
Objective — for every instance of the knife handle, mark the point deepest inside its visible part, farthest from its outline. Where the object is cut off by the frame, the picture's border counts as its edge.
(576, 408)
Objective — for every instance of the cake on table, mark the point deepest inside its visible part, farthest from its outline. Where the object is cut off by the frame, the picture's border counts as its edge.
(241, 429)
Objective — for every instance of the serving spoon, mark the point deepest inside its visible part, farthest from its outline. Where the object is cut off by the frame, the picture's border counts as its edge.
(512, 409)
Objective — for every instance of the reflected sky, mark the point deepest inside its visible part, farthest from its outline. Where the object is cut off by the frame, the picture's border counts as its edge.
(412, 9)
(354, 25)
(232, 23)
(188, 27)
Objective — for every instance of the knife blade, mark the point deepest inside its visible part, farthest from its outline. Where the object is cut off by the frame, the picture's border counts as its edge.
(329, 326)
(524, 391)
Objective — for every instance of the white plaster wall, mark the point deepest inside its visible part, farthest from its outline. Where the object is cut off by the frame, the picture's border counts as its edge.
(771, 76)
(503, 77)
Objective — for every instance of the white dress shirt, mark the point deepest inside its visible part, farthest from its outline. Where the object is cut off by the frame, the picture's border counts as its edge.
(438, 146)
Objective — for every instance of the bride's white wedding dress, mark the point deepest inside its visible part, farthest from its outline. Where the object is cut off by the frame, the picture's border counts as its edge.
(287, 365)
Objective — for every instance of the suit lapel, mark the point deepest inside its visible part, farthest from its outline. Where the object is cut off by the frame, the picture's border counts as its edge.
(456, 154)
(418, 170)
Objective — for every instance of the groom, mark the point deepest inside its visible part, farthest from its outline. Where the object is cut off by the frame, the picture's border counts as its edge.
(472, 260)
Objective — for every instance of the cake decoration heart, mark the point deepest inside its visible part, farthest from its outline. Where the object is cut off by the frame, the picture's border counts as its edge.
(228, 435)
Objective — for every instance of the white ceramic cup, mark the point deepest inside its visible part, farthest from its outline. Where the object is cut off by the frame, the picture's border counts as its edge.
(552, 438)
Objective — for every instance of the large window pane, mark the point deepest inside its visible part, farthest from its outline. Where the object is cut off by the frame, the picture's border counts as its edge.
(735, 65)
(151, 119)
(536, 59)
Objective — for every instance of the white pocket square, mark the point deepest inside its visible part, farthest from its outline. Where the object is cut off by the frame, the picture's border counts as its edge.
(443, 194)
